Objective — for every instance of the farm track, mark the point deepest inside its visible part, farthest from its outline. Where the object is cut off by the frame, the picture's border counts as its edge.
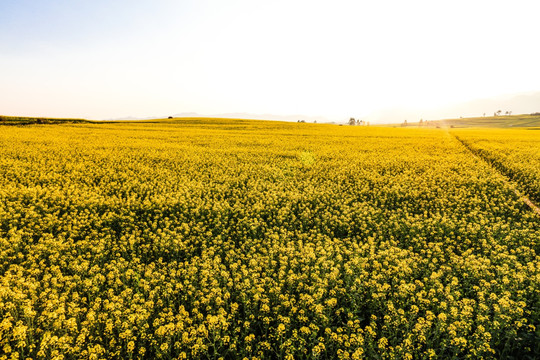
(505, 177)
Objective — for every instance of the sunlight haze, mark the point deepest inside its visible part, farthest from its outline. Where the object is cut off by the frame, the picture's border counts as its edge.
(334, 59)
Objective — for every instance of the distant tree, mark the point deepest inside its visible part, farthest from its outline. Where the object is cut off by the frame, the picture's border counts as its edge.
(509, 113)
(484, 114)
(352, 121)
(421, 122)
(170, 117)
(405, 122)
(499, 112)
(314, 121)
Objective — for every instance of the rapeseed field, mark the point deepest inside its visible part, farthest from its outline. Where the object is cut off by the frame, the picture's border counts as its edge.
(221, 239)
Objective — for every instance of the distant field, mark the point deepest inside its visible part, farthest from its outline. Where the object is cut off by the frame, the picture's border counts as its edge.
(529, 121)
(218, 238)
(513, 121)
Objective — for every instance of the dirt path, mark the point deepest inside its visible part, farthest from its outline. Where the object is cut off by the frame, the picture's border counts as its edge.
(505, 178)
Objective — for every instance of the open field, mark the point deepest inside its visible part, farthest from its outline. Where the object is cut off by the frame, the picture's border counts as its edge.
(210, 239)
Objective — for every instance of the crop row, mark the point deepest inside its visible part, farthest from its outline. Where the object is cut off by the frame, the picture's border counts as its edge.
(516, 153)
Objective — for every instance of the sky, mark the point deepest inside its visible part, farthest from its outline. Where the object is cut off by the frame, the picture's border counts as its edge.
(105, 59)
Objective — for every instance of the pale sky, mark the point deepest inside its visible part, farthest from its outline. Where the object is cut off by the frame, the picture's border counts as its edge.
(102, 59)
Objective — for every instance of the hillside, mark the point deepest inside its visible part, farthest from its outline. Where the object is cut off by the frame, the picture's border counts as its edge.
(512, 121)
(24, 120)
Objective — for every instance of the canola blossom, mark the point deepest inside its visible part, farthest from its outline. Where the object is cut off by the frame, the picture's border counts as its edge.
(222, 239)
